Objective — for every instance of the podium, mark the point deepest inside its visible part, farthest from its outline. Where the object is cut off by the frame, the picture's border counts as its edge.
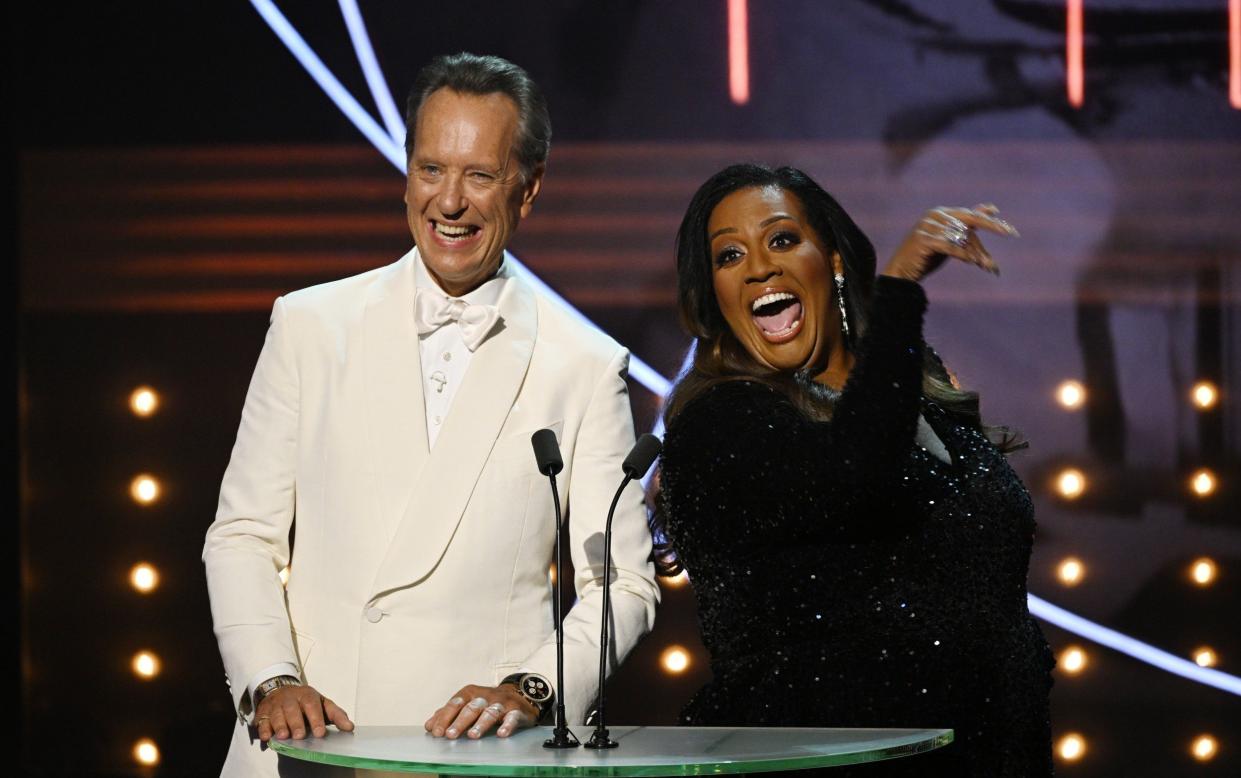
(644, 751)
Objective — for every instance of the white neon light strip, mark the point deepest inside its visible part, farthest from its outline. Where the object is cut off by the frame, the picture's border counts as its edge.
(651, 379)
(374, 74)
(1145, 652)
(328, 83)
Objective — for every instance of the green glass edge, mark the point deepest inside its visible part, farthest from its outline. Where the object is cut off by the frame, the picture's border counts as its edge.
(549, 771)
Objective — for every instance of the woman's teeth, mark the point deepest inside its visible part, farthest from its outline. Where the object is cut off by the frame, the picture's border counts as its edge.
(767, 299)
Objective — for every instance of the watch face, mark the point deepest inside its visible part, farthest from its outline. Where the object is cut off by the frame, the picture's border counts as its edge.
(536, 688)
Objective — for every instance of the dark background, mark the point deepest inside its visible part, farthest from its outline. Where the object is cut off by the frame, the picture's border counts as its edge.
(176, 170)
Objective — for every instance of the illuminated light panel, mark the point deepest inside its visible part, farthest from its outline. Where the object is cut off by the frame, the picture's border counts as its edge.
(146, 665)
(1071, 571)
(1205, 656)
(143, 578)
(1071, 483)
(1234, 53)
(1204, 748)
(1203, 571)
(1071, 395)
(144, 489)
(647, 376)
(738, 52)
(1204, 394)
(146, 752)
(1073, 660)
(1203, 483)
(143, 401)
(1071, 747)
(1074, 65)
(674, 660)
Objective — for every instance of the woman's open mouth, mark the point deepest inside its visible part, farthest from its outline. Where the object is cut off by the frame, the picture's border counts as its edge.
(778, 316)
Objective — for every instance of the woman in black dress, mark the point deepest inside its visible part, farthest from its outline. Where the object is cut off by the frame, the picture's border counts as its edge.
(858, 544)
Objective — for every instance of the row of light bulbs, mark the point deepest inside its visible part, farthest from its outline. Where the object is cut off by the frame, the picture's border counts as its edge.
(1072, 747)
(1202, 571)
(1071, 395)
(1071, 483)
(143, 577)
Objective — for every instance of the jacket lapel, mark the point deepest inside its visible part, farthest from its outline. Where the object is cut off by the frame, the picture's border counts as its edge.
(482, 404)
(395, 415)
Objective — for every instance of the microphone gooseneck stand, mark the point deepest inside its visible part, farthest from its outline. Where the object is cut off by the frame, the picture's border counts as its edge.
(635, 466)
(547, 454)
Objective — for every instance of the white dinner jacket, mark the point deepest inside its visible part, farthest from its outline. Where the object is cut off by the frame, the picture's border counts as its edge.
(413, 573)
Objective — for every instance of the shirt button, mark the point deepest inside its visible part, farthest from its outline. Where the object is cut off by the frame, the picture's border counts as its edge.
(373, 615)
(437, 419)
(447, 356)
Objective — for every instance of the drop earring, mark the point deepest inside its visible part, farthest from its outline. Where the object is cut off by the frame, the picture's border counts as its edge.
(840, 301)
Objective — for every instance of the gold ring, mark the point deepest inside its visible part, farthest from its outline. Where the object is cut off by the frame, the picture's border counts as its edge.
(261, 718)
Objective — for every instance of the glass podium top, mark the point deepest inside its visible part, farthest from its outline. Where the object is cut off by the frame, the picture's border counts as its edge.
(643, 750)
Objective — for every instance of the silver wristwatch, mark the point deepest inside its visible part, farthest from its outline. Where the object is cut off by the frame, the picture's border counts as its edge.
(272, 684)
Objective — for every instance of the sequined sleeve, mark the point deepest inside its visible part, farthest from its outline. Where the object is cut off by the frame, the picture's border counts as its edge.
(741, 458)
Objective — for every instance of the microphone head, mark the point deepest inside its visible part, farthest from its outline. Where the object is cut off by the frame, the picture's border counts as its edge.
(642, 455)
(547, 452)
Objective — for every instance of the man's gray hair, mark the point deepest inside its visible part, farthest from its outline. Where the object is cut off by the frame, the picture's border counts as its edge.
(472, 74)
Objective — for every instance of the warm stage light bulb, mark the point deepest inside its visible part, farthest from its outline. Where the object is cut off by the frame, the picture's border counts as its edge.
(676, 581)
(674, 660)
(1071, 747)
(146, 752)
(1073, 660)
(146, 665)
(1071, 395)
(144, 578)
(1204, 748)
(1071, 571)
(1071, 483)
(144, 489)
(1203, 571)
(1204, 395)
(1205, 656)
(143, 401)
(1203, 483)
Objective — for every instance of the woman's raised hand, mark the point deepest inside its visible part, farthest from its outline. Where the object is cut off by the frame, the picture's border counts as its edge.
(947, 232)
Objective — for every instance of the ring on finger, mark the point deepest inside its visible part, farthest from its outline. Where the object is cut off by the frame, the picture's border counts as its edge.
(952, 220)
(958, 238)
(495, 709)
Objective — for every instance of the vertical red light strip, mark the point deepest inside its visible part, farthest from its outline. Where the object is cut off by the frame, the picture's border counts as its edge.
(738, 52)
(1074, 68)
(1234, 53)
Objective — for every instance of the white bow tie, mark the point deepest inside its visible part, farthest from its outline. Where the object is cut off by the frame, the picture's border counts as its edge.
(433, 310)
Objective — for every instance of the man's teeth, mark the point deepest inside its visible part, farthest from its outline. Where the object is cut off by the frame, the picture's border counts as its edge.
(453, 231)
(768, 299)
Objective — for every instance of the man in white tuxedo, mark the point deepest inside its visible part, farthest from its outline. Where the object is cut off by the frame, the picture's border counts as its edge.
(389, 419)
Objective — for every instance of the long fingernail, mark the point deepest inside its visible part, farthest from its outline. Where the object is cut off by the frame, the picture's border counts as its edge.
(452, 732)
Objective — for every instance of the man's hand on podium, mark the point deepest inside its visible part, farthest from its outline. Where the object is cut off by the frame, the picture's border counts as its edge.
(474, 710)
(294, 709)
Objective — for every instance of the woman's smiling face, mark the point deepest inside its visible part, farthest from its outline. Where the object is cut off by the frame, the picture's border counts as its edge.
(772, 275)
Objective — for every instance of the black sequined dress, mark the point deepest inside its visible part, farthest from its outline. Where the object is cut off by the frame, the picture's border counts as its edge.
(845, 576)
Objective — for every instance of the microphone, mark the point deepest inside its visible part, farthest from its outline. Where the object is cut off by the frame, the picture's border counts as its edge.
(547, 456)
(547, 452)
(639, 460)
